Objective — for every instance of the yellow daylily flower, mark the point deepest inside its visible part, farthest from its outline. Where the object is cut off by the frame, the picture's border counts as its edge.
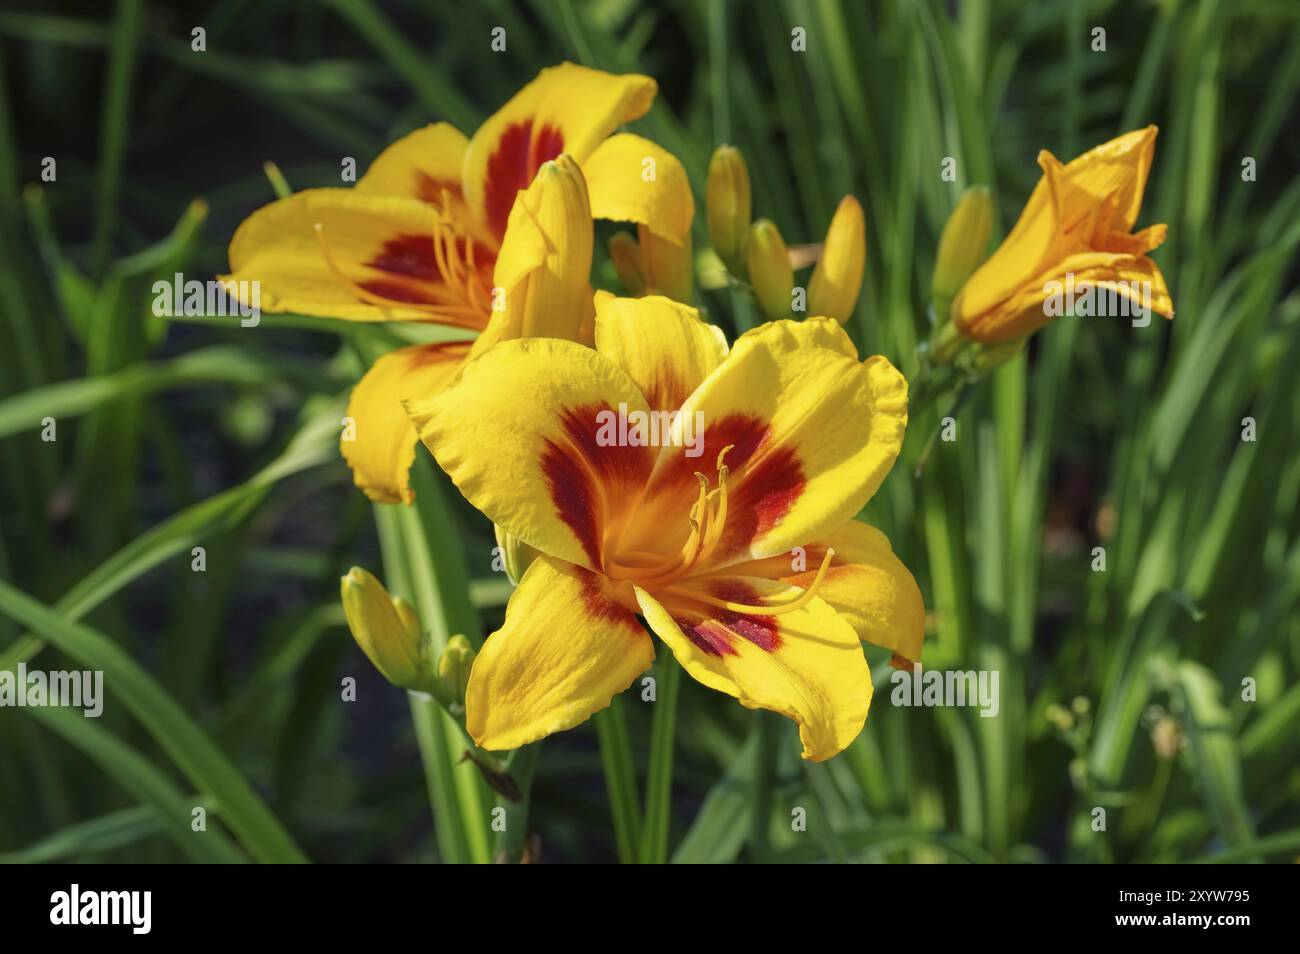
(734, 541)
(431, 233)
(1078, 222)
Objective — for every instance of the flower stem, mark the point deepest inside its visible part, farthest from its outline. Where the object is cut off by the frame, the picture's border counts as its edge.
(620, 779)
(436, 760)
(433, 579)
(764, 779)
(659, 777)
(512, 840)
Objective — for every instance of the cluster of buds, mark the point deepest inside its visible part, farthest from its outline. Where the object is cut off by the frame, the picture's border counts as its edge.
(389, 633)
(755, 254)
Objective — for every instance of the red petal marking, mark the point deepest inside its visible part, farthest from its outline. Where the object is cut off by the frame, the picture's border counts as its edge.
(714, 634)
(668, 391)
(397, 291)
(574, 496)
(600, 605)
(511, 167)
(409, 256)
(760, 496)
(578, 470)
(430, 189)
(614, 465)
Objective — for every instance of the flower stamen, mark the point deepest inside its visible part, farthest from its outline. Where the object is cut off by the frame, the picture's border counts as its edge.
(772, 609)
(463, 316)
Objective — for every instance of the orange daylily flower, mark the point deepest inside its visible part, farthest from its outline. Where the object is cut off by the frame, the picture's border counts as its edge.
(1077, 229)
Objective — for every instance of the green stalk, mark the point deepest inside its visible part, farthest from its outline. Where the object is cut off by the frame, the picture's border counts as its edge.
(115, 119)
(659, 777)
(512, 840)
(449, 827)
(620, 779)
(426, 716)
(440, 581)
(763, 780)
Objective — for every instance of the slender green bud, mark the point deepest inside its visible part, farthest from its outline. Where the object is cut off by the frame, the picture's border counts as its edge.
(963, 246)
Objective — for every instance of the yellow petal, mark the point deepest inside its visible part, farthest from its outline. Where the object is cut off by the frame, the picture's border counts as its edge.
(520, 433)
(421, 165)
(664, 346)
(1120, 166)
(383, 447)
(1022, 255)
(1121, 278)
(812, 432)
(837, 279)
(566, 109)
(566, 649)
(866, 584)
(1026, 311)
(633, 180)
(543, 270)
(806, 664)
(371, 259)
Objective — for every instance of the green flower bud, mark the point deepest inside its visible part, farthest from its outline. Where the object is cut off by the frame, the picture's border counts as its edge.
(453, 669)
(963, 247)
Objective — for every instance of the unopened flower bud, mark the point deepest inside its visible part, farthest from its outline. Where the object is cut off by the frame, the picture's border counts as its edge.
(729, 206)
(387, 630)
(669, 270)
(626, 256)
(770, 271)
(962, 247)
(837, 279)
(453, 669)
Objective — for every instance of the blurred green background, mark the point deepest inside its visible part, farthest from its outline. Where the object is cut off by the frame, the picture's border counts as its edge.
(1121, 689)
